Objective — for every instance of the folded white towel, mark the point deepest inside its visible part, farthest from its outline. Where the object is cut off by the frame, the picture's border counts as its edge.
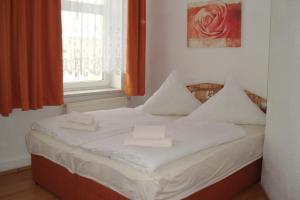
(167, 142)
(81, 118)
(149, 132)
(81, 127)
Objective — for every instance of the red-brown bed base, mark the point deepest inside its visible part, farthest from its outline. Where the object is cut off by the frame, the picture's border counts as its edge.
(68, 186)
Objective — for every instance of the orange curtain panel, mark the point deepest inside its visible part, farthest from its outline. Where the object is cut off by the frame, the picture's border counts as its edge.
(31, 72)
(136, 48)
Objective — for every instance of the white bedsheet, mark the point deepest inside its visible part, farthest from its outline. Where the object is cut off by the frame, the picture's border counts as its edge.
(188, 137)
(173, 181)
(111, 122)
(116, 125)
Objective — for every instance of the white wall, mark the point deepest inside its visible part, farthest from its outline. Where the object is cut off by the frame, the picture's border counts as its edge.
(281, 167)
(167, 48)
(13, 129)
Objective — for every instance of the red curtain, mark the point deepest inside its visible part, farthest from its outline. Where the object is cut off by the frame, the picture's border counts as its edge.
(136, 48)
(31, 73)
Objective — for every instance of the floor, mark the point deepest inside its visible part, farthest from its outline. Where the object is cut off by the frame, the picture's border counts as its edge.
(20, 186)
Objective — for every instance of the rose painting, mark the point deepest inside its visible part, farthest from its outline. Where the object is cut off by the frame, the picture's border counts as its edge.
(214, 23)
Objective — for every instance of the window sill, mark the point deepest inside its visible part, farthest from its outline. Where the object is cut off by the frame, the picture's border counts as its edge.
(82, 95)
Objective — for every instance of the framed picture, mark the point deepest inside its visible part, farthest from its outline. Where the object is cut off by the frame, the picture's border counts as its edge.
(214, 23)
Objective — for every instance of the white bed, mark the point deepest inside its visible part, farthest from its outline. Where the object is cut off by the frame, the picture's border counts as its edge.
(176, 180)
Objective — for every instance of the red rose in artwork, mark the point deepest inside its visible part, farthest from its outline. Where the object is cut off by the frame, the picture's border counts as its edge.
(214, 23)
(211, 20)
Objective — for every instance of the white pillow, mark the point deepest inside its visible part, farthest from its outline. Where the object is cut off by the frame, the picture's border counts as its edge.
(172, 98)
(232, 105)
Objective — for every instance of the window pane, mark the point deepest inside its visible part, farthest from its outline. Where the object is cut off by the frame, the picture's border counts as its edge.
(82, 45)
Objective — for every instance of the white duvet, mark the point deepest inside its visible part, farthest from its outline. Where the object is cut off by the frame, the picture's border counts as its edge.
(115, 125)
(111, 122)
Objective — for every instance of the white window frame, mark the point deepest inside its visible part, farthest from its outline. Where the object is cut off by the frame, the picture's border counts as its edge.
(85, 85)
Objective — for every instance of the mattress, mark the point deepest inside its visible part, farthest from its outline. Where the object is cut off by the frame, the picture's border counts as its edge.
(176, 180)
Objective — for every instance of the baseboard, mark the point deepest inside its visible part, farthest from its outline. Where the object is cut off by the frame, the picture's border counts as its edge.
(8, 165)
(15, 171)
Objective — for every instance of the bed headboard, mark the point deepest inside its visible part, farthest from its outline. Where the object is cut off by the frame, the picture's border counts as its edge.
(204, 91)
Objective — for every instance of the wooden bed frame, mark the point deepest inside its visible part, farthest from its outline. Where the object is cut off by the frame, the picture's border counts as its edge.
(68, 186)
(204, 91)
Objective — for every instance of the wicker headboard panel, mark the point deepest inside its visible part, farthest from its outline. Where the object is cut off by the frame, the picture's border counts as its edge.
(204, 91)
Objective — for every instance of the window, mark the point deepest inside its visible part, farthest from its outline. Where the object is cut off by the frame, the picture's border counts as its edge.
(92, 42)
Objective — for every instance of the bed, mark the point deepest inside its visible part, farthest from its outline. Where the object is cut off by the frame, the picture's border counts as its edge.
(214, 173)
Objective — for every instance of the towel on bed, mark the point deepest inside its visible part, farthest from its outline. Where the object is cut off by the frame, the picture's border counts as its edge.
(149, 132)
(80, 127)
(80, 118)
(166, 142)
